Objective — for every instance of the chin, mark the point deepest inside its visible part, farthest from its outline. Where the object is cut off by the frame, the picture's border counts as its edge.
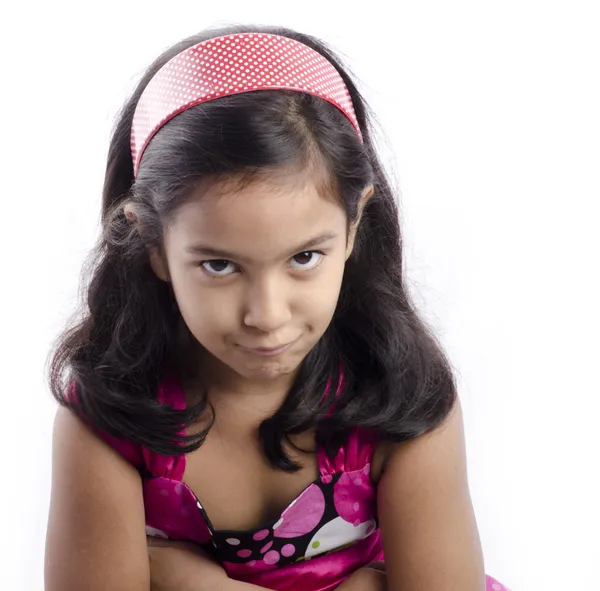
(267, 370)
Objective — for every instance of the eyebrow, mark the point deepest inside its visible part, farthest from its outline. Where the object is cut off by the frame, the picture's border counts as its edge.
(223, 254)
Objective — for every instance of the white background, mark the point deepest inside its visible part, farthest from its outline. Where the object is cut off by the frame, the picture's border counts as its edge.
(491, 128)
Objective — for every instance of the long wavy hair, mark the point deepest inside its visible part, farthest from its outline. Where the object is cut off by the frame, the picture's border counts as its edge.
(397, 381)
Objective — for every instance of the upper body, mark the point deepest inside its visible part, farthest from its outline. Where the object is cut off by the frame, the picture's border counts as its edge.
(225, 492)
(235, 224)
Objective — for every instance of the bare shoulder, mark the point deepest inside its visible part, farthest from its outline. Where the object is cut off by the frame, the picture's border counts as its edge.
(96, 530)
(450, 429)
(428, 525)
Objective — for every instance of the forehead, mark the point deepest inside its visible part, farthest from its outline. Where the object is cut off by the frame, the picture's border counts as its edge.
(262, 218)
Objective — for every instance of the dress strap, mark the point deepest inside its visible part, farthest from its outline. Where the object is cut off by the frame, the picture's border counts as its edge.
(355, 454)
(170, 392)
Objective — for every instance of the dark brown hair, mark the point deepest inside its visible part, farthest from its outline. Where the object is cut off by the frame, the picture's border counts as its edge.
(397, 380)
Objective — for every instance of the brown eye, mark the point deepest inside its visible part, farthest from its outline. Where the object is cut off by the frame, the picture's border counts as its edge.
(216, 268)
(308, 260)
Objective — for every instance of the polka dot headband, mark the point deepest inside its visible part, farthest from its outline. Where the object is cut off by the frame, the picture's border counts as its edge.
(231, 65)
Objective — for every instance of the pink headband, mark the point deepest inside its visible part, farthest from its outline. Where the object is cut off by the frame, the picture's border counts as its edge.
(231, 65)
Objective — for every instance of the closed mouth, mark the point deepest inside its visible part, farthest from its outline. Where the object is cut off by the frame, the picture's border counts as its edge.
(269, 350)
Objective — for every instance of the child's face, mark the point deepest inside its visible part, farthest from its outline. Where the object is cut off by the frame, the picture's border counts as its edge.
(265, 287)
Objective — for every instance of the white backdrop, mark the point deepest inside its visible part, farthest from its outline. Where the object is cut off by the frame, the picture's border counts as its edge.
(491, 128)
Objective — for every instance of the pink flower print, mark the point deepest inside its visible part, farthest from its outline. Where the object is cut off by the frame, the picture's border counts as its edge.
(303, 515)
(353, 497)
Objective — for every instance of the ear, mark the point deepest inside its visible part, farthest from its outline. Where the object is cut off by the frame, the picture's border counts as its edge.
(366, 195)
(159, 264)
(130, 214)
(156, 256)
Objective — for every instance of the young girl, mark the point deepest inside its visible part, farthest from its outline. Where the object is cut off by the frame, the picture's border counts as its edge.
(250, 386)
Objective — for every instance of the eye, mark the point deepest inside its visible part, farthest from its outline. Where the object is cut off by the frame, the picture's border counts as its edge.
(217, 268)
(308, 260)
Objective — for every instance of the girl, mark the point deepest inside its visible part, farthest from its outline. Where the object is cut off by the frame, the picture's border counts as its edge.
(250, 385)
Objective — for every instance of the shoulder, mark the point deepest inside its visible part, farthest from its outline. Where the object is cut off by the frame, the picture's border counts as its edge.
(75, 437)
(72, 418)
(439, 444)
(447, 437)
(142, 458)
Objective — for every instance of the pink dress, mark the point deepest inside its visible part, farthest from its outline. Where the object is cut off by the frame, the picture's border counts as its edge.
(326, 533)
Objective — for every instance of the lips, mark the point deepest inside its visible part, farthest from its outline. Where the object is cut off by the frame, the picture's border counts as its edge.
(269, 350)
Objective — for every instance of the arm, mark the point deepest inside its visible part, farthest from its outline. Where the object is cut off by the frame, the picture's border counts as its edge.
(428, 526)
(96, 530)
(181, 566)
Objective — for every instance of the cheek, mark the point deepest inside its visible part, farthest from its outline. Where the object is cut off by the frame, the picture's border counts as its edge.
(319, 301)
(207, 312)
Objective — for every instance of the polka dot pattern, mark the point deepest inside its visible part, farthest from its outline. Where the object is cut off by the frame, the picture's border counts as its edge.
(260, 535)
(231, 65)
(266, 547)
(271, 557)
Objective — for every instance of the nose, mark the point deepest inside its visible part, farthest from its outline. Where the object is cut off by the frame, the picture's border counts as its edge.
(267, 306)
